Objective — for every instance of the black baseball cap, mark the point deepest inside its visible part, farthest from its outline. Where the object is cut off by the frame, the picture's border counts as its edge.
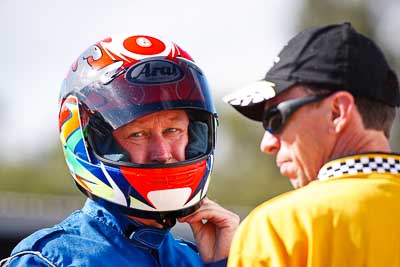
(335, 57)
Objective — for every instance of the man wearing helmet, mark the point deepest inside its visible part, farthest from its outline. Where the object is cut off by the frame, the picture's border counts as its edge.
(137, 124)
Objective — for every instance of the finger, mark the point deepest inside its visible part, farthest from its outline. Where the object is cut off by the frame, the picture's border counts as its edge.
(203, 202)
(213, 213)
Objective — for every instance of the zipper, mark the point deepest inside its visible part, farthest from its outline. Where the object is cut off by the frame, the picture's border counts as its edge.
(155, 255)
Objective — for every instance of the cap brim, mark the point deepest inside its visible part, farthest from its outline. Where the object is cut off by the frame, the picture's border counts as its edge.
(250, 101)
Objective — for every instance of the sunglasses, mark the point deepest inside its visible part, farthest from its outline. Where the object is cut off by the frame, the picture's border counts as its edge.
(275, 117)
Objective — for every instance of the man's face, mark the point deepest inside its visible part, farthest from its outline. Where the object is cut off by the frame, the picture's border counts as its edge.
(303, 145)
(160, 137)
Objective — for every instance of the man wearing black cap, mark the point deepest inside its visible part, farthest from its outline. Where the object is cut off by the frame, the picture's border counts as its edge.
(327, 106)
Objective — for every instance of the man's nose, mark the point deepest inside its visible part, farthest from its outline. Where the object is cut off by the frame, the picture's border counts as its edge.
(270, 143)
(159, 150)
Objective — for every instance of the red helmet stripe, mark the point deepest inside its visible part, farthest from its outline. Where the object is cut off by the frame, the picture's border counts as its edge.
(155, 179)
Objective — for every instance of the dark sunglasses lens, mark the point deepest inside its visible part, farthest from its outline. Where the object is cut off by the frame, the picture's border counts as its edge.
(272, 121)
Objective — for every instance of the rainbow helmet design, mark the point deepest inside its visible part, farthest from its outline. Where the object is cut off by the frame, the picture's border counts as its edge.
(117, 81)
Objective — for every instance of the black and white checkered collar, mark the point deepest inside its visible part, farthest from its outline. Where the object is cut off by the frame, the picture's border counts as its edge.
(361, 164)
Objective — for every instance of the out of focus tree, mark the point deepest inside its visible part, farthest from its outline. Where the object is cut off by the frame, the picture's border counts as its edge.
(47, 173)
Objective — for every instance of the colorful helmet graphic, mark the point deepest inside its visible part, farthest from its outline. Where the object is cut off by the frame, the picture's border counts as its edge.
(114, 82)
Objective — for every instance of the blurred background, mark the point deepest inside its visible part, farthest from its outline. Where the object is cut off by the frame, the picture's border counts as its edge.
(233, 41)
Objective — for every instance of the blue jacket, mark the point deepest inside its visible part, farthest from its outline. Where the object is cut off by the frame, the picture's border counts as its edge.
(95, 236)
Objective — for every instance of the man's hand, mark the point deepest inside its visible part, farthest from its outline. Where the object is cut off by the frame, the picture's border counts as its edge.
(213, 228)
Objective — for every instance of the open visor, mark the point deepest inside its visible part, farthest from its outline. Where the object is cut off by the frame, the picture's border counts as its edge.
(147, 87)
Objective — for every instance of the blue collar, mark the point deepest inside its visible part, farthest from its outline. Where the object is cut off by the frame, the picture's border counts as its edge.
(142, 234)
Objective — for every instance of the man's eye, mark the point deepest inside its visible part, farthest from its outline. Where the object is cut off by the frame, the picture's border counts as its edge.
(171, 130)
(136, 135)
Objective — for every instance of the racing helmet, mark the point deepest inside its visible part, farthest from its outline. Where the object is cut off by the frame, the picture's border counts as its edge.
(114, 82)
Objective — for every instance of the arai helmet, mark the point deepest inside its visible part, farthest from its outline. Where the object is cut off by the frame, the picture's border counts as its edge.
(115, 82)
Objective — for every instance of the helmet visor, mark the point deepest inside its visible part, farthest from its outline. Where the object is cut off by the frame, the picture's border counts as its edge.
(148, 87)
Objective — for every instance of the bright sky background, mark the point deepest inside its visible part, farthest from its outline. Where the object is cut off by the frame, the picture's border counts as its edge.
(233, 41)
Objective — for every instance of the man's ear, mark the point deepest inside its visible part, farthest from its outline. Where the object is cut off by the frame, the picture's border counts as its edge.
(342, 107)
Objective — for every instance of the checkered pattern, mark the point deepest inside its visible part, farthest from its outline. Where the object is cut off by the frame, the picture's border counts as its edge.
(360, 164)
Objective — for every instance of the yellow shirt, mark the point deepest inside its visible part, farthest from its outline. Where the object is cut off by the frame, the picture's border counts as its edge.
(350, 217)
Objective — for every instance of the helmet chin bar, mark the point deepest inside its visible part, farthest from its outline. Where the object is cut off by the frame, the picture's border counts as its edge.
(166, 218)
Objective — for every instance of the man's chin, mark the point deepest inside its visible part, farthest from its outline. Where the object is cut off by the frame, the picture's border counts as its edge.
(292, 178)
(292, 175)
(298, 182)
(295, 183)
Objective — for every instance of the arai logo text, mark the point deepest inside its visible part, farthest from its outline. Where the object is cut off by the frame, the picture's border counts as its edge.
(154, 72)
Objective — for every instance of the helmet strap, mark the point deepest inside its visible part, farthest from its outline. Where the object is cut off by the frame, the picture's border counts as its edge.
(167, 222)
